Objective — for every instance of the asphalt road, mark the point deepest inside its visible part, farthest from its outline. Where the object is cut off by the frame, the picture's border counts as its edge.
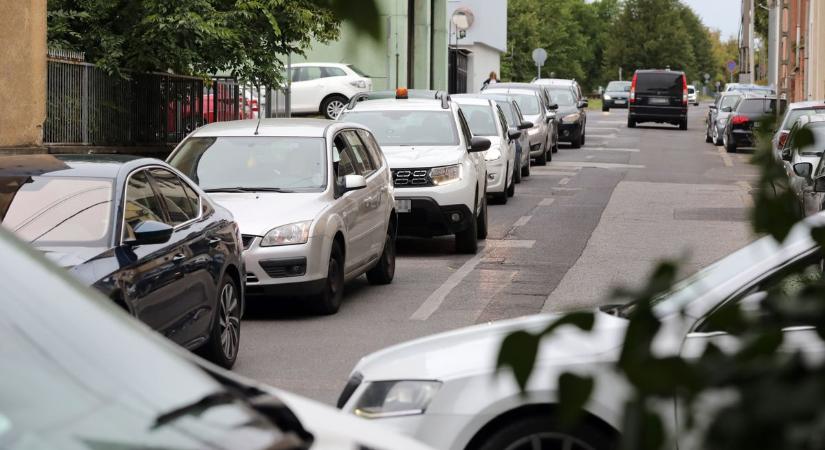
(594, 218)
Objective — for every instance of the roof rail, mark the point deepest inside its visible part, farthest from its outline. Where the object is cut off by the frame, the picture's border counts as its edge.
(444, 97)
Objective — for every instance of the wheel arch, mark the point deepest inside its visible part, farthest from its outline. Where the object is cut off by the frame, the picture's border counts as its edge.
(235, 273)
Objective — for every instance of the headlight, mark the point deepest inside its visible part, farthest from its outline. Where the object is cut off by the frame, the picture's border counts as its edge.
(570, 117)
(294, 233)
(492, 154)
(607, 97)
(723, 121)
(533, 131)
(396, 398)
(445, 175)
(359, 84)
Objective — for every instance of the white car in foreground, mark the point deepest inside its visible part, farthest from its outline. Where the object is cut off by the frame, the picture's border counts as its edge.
(325, 88)
(486, 119)
(313, 199)
(444, 391)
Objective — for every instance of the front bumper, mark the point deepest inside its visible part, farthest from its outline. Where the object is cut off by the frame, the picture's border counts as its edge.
(659, 114)
(287, 270)
(496, 175)
(569, 132)
(428, 218)
(615, 103)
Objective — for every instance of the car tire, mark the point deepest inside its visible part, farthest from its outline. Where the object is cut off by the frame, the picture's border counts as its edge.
(466, 241)
(481, 225)
(527, 430)
(683, 125)
(717, 140)
(730, 147)
(225, 335)
(511, 191)
(517, 171)
(631, 123)
(605, 108)
(542, 160)
(577, 141)
(333, 102)
(708, 137)
(525, 170)
(384, 270)
(329, 300)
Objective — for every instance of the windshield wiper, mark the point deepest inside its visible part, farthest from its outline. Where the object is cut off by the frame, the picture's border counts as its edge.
(196, 408)
(249, 189)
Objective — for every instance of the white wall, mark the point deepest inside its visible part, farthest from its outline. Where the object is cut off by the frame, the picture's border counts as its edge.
(490, 25)
(481, 61)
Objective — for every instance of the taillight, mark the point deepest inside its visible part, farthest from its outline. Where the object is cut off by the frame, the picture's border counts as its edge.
(739, 120)
(632, 98)
(783, 137)
(684, 91)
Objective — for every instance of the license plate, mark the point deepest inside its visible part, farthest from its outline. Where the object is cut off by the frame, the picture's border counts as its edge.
(658, 101)
(619, 102)
(403, 206)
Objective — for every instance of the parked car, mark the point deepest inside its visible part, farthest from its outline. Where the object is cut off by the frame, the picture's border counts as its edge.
(802, 162)
(749, 110)
(444, 390)
(543, 135)
(718, 114)
(516, 121)
(658, 96)
(615, 95)
(438, 166)
(80, 373)
(571, 114)
(325, 88)
(313, 199)
(747, 88)
(692, 96)
(486, 119)
(561, 82)
(139, 232)
(792, 113)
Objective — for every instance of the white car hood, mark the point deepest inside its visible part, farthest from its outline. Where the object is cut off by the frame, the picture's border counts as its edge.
(404, 157)
(335, 430)
(474, 350)
(259, 212)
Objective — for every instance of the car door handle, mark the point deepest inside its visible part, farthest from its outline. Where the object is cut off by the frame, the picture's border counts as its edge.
(178, 258)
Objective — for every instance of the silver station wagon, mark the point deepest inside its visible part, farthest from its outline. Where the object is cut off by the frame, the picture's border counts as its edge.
(313, 198)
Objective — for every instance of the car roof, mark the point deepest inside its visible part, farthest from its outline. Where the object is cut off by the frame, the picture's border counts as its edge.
(508, 90)
(82, 165)
(809, 104)
(809, 120)
(528, 86)
(320, 64)
(415, 104)
(470, 99)
(556, 81)
(268, 127)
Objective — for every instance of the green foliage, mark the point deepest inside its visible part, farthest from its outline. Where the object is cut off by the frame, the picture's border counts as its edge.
(200, 37)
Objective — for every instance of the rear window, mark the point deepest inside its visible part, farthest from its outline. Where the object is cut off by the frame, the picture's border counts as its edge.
(757, 105)
(818, 145)
(481, 119)
(795, 114)
(659, 83)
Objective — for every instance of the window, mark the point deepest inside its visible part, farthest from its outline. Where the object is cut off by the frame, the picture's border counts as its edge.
(141, 204)
(179, 205)
(529, 104)
(372, 147)
(618, 86)
(327, 72)
(660, 83)
(361, 157)
(795, 114)
(407, 128)
(564, 97)
(306, 73)
(465, 128)
(481, 119)
(503, 120)
(342, 160)
(729, 101)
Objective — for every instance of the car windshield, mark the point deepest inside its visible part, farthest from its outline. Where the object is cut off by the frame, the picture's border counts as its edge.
(795, 114)
(408, 128)
(254, 163)
(818, 144)
(481, 119)
(57, 211)
(618, 86)
(659, 83)
(691, 90)
(509, 112)
(563, 97)
(529, 104)
(729, 101)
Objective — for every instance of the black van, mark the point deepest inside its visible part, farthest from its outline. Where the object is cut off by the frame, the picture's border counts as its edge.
(659, 96)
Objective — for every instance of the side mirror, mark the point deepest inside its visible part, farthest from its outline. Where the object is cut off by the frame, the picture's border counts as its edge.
(354, 182)
(786, 154)
(583, 103)
(819, 184)
(479, 144)
(727, 109)
(514, 134)
(553, 106)
(711, 106)
(150, 232)
(525, 125)
(803, 169)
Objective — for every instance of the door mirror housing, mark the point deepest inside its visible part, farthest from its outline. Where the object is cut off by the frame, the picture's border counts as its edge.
(583, 103)
(478, 144)
(525, 125)
(711, 106)
(514, 134)
(552, 106)
(354, 182)
(150, 232)
(727, 109)
(803, 169)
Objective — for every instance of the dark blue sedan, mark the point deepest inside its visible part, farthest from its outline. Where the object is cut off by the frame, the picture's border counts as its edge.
(141, 233)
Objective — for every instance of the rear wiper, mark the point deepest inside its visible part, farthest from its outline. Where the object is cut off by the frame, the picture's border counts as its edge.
(249, 189)
(196, 408)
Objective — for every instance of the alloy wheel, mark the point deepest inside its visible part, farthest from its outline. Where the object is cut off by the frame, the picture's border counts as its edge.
(229, 321)
(549, 441)
(333, 107)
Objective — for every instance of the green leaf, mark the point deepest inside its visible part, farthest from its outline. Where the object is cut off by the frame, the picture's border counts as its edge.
(518, 352)
(574, 392)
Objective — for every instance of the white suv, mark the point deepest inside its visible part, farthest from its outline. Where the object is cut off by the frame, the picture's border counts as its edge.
(313, 198)
(325, 87)
(438, 166)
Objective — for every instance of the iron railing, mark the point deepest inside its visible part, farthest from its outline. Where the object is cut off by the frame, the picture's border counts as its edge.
(87, 106)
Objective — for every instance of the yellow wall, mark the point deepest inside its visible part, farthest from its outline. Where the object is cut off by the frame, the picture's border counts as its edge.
(22, 72)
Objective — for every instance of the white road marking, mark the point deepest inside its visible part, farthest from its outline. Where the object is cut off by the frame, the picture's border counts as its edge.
(522, 221)
(611, 149)
(547, 201)
(564, 181)
(590, 156)
(511, 243)
(599, 165)
(551, 174)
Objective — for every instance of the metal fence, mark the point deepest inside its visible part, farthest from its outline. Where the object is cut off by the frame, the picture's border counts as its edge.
(87, 106)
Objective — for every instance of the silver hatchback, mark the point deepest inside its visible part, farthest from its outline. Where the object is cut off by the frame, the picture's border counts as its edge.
(313, 198)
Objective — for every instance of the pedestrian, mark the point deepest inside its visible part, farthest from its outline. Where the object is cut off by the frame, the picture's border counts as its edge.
(493, 79)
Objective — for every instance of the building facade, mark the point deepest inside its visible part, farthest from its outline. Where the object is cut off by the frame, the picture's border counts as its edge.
(483, 42)
(798, 54)
(411, 52)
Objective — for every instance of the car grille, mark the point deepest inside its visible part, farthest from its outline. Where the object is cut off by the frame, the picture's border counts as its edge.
(411, 177)
(251, 278)
(247, 239)
(280, 268)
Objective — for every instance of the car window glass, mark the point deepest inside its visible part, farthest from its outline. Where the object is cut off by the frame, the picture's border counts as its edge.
(179, 206)
(795, 114)
(342, 160)
(404, 127)
(618, 86)
(661, 83)
(502, 119)
(729, 100)
(372, 147)
(465, 128)
(509, 114)
(308, 73)
(327, 72)
(481, 119)
(529, 104)
(564, 98)
(361, 157)
(141, 204)
(818, 145)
